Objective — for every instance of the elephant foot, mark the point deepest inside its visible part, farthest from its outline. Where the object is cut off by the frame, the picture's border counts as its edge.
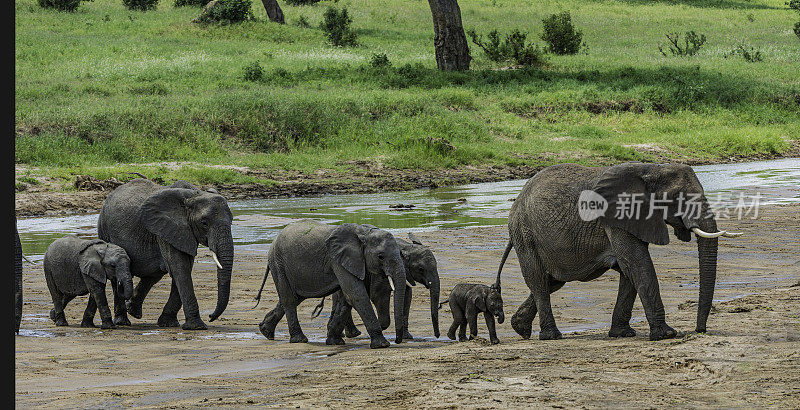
(301, 338)
(267, 331)
(495, 341)
(451, 335)
(58, 319)
(625, 331)
(462, 338)
(352, 333)
(334, 340)
(88, 323)
(107, 324)
(134, 308)
(122, 320)
(407, 336)
(523, 327)
(168, 321)
(378, 343)
(661, 332)
(549, 334)
(194, 324)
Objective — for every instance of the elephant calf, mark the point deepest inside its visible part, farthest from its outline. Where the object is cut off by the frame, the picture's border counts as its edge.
(75, 267)
(466, 301)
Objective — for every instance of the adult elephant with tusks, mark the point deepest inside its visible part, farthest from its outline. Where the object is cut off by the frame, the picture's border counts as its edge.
(309, 259)
(571, 222)
(160, 228)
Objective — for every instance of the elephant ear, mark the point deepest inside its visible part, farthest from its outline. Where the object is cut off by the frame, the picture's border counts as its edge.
(91, 257)
(622, 186)
(166, 215)
(480, 301)
(345, 246)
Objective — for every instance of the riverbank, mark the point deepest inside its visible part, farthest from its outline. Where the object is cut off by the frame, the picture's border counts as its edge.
(750, 356)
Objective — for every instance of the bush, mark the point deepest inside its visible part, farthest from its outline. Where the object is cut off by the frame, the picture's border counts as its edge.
(512, 48)
(226, 12)
(797, 29)
(140, 5)
(302, 2)
(560, 34)
(63, 5)
(750, 54)
(196, 3)
(336, 25)
(253, 72)
(691, 44)
(380, 61)
(302, 22)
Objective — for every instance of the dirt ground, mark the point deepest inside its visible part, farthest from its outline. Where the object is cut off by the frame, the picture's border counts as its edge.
(750, 356)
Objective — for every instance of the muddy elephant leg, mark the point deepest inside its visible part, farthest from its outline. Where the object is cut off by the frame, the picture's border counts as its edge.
(522, 320)
(271, 319)
(490, 325)
(98, 293)
(88, 314)
(57, 312)
(169, 315)
(472, 319)
(458, 317)
(341, 313)
(621, 318)
(295, 332)
(634, 259)
(357, 296)
(406, 309)
(350, 329)
(135, 305)
(179, 266)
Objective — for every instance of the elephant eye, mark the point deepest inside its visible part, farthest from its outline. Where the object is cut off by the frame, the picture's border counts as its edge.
(380, 255)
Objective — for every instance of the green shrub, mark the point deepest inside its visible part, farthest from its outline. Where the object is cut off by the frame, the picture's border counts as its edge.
(302, 2)
(513, 48)
(227, 12)
(749, 53)
(196, 3)
(253, 72)
(692, 42)
(336, 25)
(63, 5)
(302, 22)
(140, 5)
(797, 29)
(560, 34)
(380, 61)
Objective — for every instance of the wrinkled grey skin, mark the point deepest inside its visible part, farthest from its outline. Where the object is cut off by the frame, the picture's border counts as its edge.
(554, 245)
(309, 259)
(160, 228)
(74, 267)
(466, 301)
(420, 268)
(17, 278)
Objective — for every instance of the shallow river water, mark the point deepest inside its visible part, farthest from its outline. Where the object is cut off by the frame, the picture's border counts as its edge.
(258, 221)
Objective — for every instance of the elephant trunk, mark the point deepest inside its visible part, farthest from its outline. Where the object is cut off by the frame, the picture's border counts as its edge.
(434, 288)
(221, 243)
(398, 277)
(707, 251)
(501, 317)
(125, 280)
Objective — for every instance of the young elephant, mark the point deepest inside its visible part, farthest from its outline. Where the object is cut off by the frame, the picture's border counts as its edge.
(466, 301)
(75, 267)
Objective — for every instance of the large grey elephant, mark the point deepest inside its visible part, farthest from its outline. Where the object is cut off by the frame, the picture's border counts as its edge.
(74, 267)
(309, 259)
(420, 265)
(160, 228)
(17, 278)
(557, 240)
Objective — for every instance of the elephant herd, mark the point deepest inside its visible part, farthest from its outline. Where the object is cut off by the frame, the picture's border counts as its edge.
(148, 231)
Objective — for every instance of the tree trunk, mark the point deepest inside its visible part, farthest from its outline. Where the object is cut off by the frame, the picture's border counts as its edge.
(452, 52)
(273, 11)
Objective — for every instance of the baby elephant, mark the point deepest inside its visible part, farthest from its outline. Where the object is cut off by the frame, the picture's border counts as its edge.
(466, 301)
(75, 267)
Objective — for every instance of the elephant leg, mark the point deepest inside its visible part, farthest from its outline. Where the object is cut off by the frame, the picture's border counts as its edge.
(57, 312)
(295, 332)
(88, 314)
(350, 329)
(634, 260)
(139, 293)
(490, 325)
(271, 319)
(340, 315)
(472, 318)
(98, 293)
(620, 320)
(406, 309)
(180, 268)
(169, 315)
(458, 317)
(358, 297)
(522, 320)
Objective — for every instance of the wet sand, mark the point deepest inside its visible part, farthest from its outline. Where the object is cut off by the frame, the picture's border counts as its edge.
(749, 357)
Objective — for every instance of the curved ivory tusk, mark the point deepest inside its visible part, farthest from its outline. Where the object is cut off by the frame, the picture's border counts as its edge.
(733, 234)
(705, 234)
(391, 284)
(214, 255)
(408, 284)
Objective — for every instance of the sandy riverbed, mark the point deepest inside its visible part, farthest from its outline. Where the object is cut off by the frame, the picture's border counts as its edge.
(749, 357)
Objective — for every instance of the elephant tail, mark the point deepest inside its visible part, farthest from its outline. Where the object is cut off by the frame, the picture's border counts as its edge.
(443, 303)
(258, 296)
(502, 262)
(318, 309)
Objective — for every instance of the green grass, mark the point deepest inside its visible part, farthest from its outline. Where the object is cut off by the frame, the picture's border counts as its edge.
(104, 86)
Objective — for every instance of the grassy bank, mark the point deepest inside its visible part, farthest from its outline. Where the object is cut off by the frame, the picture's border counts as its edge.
(104, 86)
